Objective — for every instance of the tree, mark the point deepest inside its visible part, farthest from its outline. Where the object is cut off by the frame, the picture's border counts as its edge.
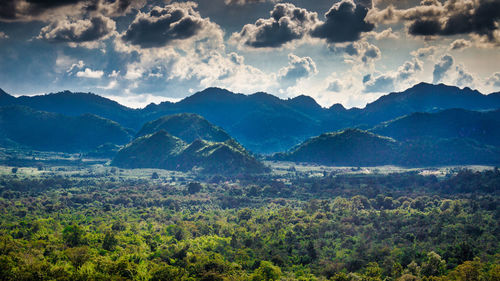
(266, 272)
(72, 235)
(194, 187)
(168, 273)
(109, 241)
(78, 255)
(434, 265)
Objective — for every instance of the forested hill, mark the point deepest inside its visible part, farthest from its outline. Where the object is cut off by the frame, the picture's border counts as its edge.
(264, 123)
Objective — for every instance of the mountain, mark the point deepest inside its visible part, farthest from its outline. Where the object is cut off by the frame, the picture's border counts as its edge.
(164, 151)
(351, 147)
(425, 97)
(56, 132)
(261, 122)
(186, 126)
(354, 147)
(75, 104)
(264, 123)
(452, 123)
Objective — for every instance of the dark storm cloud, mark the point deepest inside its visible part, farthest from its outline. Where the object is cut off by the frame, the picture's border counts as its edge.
(287, 23)
(441, 67)
(425, 27)
(27, 10)
(161, 26)
(80, 31)
(345, 22)
(451, 17)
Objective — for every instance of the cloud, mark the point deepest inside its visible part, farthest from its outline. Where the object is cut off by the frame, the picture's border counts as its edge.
(80, 31)
(89, 73)
(441, 68)
(424, 52)
(345, 21)
(79, 65)
(298, 68)
(452, 17)
(358, 52)
(382, 83)
(335, 86)
(463, 77)
(460, 44)
(244, 2)
(389, 81)
(409, 68)
(164, 25)
(48, 10)
(494, 80)
(384, 34)
(286, 24)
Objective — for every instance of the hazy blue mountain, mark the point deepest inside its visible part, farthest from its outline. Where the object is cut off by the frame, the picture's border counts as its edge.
(186, 126)
(483, 127)
(425, 97)
(261, 122)
(354, 147)
(75, 104)
(164, 151)
(56, 132)
(265, 123)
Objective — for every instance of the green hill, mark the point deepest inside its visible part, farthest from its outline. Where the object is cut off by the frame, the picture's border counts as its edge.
(186, 126)
(164, 151)
(151, 151)
(351, 147)
(55, 132)
(452, 123)
(354, 147)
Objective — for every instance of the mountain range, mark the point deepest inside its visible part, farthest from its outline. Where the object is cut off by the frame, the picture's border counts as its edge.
(423, 125)
(264, 123)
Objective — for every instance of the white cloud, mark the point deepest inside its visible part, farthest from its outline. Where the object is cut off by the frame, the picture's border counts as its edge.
(89, 73)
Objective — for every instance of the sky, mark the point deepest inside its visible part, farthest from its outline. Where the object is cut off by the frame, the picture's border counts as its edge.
(349, 52)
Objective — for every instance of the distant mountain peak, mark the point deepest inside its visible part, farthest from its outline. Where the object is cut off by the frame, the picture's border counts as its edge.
(305, 102)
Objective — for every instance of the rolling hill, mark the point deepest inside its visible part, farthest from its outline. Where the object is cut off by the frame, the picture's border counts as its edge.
(452, 123)
(354, 147)
(56, 132)
(164, 151)
(186, 126)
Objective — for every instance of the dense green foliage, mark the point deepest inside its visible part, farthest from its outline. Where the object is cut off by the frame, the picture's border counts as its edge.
(336, 227)
(186, 126)
(354, 147)
(164, 151)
